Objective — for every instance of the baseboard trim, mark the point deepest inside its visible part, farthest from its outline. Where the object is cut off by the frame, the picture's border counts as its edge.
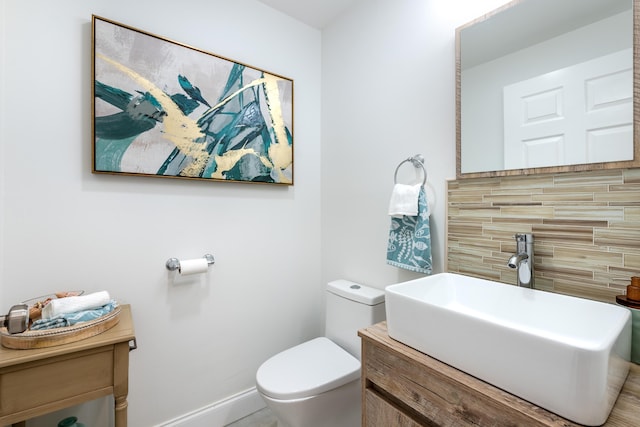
(222, 412)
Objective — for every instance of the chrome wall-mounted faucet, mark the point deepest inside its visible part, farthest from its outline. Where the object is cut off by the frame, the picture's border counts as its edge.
(522, 260)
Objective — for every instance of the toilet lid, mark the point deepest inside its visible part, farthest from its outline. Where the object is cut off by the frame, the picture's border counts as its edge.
(306, 370)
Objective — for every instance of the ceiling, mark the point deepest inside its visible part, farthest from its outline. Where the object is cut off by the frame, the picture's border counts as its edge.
(315, 13)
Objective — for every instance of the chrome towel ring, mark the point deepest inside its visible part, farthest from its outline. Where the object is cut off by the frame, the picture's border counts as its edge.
(418, 162)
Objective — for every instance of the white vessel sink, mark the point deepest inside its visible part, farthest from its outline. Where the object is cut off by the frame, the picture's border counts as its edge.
(565, 354)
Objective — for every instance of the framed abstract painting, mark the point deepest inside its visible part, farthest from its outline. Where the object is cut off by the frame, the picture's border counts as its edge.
(164, 109)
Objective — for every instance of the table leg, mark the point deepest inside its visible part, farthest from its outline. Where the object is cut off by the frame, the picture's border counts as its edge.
(120, 412)
(121, 383)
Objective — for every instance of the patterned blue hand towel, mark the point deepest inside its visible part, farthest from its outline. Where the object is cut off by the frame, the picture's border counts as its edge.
(409, 244)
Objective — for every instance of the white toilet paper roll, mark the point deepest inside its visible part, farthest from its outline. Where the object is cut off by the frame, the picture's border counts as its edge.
(193, 266)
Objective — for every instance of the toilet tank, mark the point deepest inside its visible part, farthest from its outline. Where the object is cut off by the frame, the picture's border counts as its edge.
(350, 307)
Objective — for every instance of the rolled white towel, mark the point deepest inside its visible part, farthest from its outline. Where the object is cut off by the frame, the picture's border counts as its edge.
(73, 304)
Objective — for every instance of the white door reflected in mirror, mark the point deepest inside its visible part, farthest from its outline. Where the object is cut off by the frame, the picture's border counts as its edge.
(579, 114)
(519, 47)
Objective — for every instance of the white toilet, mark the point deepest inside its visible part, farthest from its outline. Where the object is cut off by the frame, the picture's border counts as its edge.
(317, 383)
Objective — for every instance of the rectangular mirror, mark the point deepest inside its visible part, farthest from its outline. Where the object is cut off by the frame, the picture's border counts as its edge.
(547, 86)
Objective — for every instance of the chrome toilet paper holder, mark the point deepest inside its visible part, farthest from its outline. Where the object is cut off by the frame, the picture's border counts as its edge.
(173, 264)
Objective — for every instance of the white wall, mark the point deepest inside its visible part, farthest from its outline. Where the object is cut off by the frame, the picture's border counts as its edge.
(200, 341)
(3, 89)
(387, 93)
(388, 81)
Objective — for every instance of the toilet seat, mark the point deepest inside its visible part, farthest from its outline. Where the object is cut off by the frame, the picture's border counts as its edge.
(306, 370)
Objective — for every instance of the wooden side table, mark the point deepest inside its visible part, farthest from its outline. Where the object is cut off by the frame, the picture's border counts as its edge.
(39, 381)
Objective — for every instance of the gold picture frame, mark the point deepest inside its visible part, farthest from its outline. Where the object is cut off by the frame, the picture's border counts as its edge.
(164, 109)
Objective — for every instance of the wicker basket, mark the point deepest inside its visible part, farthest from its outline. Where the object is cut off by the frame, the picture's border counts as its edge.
(59, 336)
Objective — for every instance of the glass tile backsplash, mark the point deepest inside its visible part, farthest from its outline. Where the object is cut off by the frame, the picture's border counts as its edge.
(586, 227)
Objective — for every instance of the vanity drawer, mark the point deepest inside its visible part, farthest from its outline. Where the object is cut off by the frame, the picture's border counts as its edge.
(379, 412)
(71, 375)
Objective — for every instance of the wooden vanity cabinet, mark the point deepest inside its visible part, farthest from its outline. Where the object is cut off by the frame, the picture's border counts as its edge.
(402, 387)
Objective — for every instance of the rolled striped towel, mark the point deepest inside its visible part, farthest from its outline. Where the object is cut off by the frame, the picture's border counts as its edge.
(74, 304)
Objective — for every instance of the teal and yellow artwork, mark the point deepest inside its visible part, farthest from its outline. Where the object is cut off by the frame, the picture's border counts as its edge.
(161, 108)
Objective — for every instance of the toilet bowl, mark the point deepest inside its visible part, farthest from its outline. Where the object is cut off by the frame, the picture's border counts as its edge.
(317, 383)
(318, 375)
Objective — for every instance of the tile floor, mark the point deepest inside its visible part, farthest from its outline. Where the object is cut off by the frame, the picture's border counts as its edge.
(262, 418)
